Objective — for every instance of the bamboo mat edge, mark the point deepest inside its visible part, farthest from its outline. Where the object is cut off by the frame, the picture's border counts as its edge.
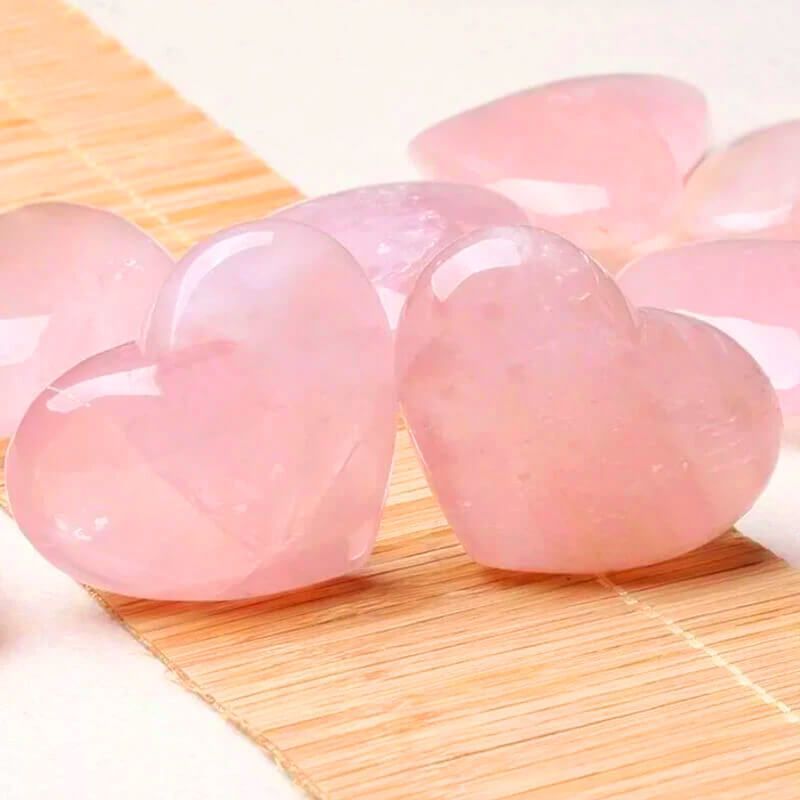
(300, 779)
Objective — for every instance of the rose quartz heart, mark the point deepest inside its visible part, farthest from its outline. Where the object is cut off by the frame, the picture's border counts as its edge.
(395, 229)
(243, 449)
(73, 281)
(748, 289)
(600, 160)
(561, 429)
(751, 188)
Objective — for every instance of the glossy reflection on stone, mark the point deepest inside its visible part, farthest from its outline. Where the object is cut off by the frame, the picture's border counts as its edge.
(748, 289)
(242, 449)
(73, 281)
(600, 160)
(561, 429)
(395, 229)
(749, 189)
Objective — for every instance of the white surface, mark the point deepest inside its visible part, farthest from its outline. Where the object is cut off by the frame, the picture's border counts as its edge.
(774, 521)
(327, 91)
(86, 712)
(330, 91)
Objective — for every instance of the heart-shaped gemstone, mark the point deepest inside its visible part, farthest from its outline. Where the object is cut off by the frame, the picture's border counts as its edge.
(564, 430)
(600, 160)
(242, 449)
(749, 189)
(73, 281)
(748, 288)
(395, 229)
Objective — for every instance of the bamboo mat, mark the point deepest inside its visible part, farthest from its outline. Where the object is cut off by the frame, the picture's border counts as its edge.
(427, 676)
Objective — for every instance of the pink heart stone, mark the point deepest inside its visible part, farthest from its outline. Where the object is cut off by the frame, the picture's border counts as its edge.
(565, 431)
(748, 289)
(242, 449)
(73, 281)
(395, 229)
(600, 160)
(749, 189)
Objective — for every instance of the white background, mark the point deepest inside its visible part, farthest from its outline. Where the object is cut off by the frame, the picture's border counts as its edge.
(328, 92)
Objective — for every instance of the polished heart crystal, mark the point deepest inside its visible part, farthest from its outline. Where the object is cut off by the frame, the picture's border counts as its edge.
(600, 160)
(749, 289)
(749, 189)
(243, 448)
(73, 281)
(564, 430)
(395, 229)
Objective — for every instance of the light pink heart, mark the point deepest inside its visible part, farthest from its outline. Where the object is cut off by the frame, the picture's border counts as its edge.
(749, 189)
(565, 431)
(394, 229)
(600, 159)
(242, 448)
(74, 281)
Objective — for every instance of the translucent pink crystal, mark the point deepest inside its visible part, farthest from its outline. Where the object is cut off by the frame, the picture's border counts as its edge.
(749, 289)
(243, 449)
(600, 160)
(563, 430)
(73, 281)
(678, 110)
(395, 229)
(749, 189)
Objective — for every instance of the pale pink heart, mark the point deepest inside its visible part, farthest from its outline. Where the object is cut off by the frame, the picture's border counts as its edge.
(395, 229)
(749, 189)
(749, 289)
(562, 430)
(600, 160)
(242, 449)
(73, 281)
